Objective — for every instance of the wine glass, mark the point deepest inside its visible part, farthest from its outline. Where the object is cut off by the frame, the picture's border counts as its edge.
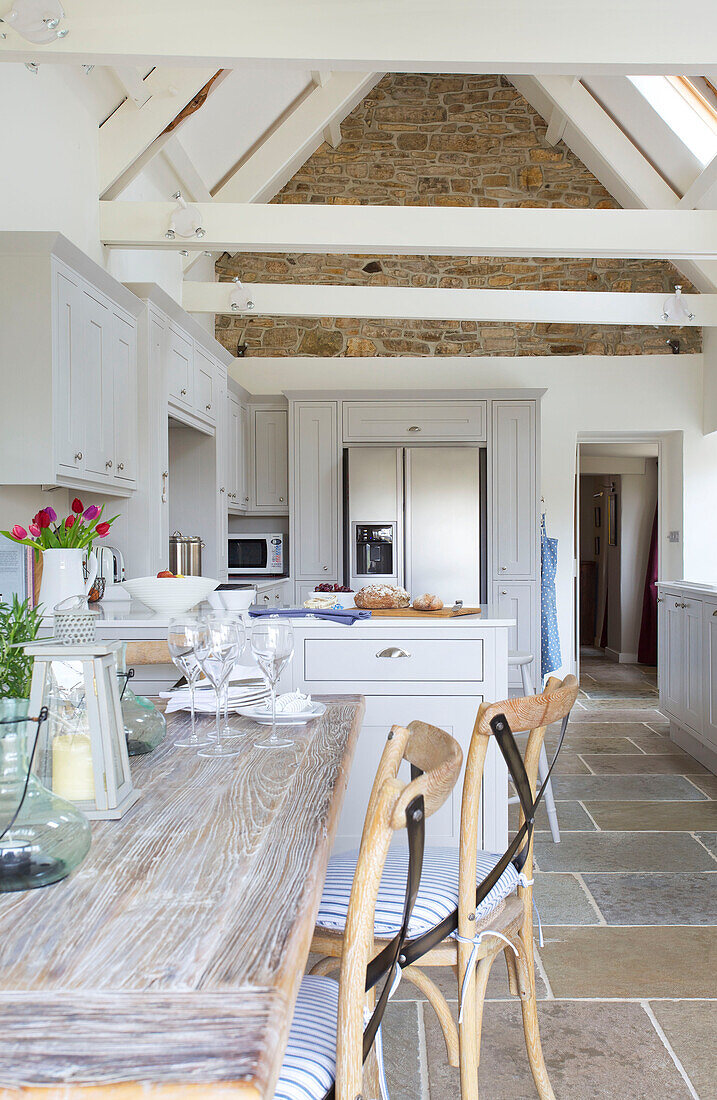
(217, 653)
(272, 643)
(184, 636)
(230, 731)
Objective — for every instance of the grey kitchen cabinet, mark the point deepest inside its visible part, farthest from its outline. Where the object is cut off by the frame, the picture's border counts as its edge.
(681, 658)
(414, 421)
(270, 478)
(236, 481)
(70, 358)
(315, 526)
(276, 595)
(514, 489)
(243, 457)
(709, 672)
(205, 385)
(180, 368)
(516, 599)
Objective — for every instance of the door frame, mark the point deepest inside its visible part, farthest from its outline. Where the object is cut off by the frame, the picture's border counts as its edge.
(658, 438)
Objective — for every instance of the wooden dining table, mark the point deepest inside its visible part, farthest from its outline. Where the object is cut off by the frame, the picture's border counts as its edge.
(168, 964)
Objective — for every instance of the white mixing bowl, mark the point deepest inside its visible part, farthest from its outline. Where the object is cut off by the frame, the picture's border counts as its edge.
(232, 599)
(170, 595)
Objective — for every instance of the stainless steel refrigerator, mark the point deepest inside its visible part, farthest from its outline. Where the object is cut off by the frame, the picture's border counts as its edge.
(415, 516)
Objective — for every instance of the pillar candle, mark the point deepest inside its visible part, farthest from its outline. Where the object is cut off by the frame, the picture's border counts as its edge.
(72, 774)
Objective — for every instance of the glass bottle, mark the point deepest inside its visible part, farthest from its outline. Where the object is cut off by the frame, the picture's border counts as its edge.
(144, 725)
(42, 836)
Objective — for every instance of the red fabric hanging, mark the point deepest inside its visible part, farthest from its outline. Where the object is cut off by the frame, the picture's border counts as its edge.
(647, 646)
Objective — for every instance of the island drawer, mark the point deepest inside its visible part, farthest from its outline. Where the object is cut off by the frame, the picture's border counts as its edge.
(383, 660)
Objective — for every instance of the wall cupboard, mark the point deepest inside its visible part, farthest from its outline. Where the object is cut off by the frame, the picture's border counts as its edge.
(269, 493)
(687, 666)
(68, 342)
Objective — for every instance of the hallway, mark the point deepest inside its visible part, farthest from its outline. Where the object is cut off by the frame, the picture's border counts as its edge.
(628, 903)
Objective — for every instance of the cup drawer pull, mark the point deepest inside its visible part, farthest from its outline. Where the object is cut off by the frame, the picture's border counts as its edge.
(393, 651)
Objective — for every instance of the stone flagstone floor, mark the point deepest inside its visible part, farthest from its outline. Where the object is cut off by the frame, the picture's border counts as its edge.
(628, 900)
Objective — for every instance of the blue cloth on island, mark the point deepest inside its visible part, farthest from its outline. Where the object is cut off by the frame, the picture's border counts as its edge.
(347, 616)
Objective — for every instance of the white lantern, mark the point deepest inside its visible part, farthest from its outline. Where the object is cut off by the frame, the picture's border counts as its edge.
(83, 751)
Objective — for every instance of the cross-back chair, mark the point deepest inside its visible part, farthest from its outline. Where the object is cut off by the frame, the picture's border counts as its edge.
(471, 905)
(335, 1023)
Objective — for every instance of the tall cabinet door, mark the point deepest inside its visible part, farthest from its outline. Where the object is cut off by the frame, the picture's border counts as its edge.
(124, 360)
(270, 460)
(692, 657)
(709, 672)
(243, 459)
(315, 539)
(672, 655)
(234, 461)
(515, 601)
(68, 380)
(98, 385)
(514, 490)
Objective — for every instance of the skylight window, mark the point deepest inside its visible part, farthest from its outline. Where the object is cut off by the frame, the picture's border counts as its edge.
(686, 111)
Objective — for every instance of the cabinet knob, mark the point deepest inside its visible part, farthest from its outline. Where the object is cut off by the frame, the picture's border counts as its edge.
(108, 464)
(183, 393)
(504, 592)
(281, 500)
(246, 499)
(714, 612)
(503, 568)
(326, 569)
(78, 456)
(660, 599)
(207, 407)
(222, 489)
(414, 428)
(120, 465)
(266, 599)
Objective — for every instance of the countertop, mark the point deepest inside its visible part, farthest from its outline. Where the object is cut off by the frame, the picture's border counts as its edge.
(691, 586)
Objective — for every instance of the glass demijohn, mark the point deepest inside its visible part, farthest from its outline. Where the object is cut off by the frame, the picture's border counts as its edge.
(144, 725)
(42, 837)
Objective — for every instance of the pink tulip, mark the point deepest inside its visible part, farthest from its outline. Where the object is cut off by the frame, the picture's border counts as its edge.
(34, 530)
(91, 513)
(19, 532)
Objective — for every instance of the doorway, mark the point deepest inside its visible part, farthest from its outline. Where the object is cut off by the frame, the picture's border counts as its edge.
(617, 505)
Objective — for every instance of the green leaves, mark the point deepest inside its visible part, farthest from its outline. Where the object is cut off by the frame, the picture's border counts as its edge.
(19, 624)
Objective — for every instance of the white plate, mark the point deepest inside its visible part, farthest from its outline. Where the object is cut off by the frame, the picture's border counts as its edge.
(262, 715)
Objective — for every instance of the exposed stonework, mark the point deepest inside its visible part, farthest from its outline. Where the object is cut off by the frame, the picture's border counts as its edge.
(446, 141)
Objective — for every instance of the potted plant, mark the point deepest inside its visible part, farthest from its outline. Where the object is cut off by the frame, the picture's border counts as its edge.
(64, 545)
(19, 624)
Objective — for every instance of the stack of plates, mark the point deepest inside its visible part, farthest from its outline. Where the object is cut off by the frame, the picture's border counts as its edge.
(248, 693)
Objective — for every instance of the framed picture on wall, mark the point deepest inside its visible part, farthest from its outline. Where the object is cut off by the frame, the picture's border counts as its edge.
(612, 520)
(597, 546)
(598, 516)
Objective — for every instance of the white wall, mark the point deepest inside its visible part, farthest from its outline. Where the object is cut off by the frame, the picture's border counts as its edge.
(585, 394)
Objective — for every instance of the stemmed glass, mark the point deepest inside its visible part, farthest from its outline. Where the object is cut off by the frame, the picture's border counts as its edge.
(217, 653)
(272, 643)
(230, 731)
(184, 637)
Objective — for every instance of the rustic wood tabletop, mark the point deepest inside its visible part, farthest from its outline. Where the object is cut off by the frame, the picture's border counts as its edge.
(170, 961)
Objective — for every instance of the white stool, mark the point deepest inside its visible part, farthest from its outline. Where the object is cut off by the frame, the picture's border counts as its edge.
(522, 661)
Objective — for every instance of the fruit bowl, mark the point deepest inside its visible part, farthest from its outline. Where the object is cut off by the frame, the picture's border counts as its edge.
(343, 599)
(170, 595)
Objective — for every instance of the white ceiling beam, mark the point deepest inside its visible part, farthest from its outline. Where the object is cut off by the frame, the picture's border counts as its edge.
(562, 36)
(439, 303)
(287, 148)
(133, 83)
(596, 139)
(191, 184)
(599, 142)
(556, 127)
(419, 230)
(129, 132)
(697, 190)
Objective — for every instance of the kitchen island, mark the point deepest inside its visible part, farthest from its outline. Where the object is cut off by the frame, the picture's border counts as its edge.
(435, 669)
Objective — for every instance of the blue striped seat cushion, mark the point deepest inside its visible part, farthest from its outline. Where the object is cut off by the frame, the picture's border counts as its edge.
(437, 894)
(310, 1060)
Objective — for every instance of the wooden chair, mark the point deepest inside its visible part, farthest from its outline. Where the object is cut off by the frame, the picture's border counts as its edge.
(486, 919)
(329, 1040)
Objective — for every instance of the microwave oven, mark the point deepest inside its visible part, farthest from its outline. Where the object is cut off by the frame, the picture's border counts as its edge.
(259, 554)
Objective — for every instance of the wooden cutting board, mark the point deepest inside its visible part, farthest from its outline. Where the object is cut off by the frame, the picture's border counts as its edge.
(411, 613)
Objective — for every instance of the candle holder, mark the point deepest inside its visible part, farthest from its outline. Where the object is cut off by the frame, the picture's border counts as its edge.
(82, 750)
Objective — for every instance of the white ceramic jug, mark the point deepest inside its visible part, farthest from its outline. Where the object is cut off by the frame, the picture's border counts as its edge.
(63, 576)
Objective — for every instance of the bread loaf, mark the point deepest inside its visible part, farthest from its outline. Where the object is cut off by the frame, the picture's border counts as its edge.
(427, 602)
(382, 595)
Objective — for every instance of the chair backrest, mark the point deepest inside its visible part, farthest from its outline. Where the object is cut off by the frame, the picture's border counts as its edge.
(532, 713)
(435, 758)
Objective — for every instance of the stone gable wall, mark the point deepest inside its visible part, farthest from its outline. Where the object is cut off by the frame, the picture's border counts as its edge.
(446, 141)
